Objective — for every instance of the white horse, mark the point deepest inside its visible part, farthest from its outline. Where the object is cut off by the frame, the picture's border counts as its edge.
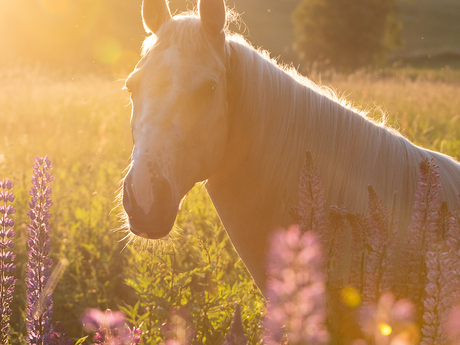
(208, 106)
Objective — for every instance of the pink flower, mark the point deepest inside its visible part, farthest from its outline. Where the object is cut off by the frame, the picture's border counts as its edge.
(376, 227)
(295, 289)
(110, 327)
(94, 319)
(423, 230)
(452, 325)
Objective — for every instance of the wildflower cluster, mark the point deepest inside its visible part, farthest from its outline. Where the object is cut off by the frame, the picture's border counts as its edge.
(365, 267)
(330, 266)
(7, 266)
(365, 260)
(40, 281)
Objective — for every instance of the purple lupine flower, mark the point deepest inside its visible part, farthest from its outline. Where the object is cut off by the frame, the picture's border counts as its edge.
(389, 280)
(296, 289)
(7, 266)
(450, 266)
(431, 322)
(442, 290)
(453, 233)
(236, 335)
(339, 248)
(311, 211)
(39, 265)
(110, 328)
(357, 248)
(423, 229)
(376, 232)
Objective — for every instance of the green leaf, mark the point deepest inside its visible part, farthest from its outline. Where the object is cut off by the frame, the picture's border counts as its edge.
(81, 340)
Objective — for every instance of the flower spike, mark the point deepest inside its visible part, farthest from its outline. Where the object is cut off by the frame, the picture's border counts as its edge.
(39, 264)
(7, 266)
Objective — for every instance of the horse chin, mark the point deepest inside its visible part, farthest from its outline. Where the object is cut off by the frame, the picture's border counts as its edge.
(153, 230)
(151, 236)
(156, 224)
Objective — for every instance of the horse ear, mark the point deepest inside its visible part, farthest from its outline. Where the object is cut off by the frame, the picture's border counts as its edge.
(212, 14)
(154, 14)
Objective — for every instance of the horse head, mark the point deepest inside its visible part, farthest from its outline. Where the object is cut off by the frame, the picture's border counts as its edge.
(179, 115)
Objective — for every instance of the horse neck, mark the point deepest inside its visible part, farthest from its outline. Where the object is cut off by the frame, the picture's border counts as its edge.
(276, 116)
(264, 106)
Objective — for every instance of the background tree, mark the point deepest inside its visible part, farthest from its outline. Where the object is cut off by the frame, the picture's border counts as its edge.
(346, 34)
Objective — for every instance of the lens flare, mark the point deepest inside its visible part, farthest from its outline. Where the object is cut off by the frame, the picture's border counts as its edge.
(107, 50)
(126, 62)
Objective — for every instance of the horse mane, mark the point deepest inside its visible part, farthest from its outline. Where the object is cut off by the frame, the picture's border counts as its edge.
(349, 149)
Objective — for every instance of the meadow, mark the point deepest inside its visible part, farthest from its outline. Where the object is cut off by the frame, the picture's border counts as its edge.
(82, 123)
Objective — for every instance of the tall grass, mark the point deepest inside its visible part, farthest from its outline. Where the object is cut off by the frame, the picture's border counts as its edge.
(82, 123)
(424, 105)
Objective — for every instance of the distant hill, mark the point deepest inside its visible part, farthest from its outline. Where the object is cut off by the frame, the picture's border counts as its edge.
(430, 24)
(431, 31)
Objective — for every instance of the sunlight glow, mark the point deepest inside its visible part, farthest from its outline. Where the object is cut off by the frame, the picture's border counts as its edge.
(55, 6)
(351, 296)
(107, 50)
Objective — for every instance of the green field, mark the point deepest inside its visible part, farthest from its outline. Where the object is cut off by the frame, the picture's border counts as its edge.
(81, 121)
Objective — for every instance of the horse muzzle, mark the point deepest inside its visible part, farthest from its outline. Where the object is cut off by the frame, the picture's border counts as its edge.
(156, 220)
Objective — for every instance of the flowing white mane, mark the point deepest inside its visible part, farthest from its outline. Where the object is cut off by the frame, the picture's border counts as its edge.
(292, 115)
